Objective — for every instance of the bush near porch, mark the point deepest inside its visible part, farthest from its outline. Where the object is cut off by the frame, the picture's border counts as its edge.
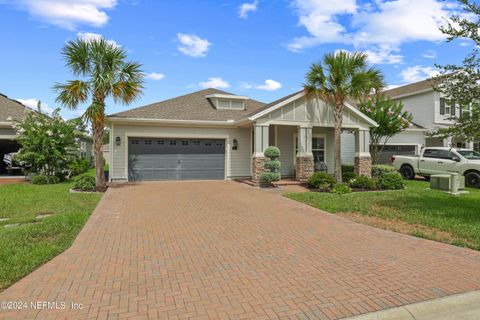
(415, 210)
(25, 247)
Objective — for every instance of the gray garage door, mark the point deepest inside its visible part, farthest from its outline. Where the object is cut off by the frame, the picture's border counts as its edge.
(176, 159)
(391, 150)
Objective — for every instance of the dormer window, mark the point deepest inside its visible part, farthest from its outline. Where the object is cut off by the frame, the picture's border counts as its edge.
(227, 101)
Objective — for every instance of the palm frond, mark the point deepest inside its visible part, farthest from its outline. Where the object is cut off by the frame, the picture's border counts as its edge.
(77, 56)
(72, 93)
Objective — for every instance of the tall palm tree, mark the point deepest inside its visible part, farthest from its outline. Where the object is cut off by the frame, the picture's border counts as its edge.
(341, 76)
(104, 73)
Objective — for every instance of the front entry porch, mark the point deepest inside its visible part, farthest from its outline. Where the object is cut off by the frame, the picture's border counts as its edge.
(304, 149)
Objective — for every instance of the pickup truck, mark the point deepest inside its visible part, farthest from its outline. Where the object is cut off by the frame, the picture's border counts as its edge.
(441, 160)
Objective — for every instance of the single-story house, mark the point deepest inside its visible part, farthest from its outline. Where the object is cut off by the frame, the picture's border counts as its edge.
(10, 110)
(213, 134)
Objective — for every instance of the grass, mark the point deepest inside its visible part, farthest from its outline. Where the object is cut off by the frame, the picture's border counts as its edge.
(415, 210)
(35, 241)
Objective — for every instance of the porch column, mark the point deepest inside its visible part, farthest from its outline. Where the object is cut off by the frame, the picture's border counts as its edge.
(447, 142)
(304, 158)
(469, 145)
(363, 160)
(260, 143)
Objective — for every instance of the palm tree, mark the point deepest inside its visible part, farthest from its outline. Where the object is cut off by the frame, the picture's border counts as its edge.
(105, 74)
(342, 76)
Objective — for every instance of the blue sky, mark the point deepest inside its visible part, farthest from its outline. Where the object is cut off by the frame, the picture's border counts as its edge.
(261, 48)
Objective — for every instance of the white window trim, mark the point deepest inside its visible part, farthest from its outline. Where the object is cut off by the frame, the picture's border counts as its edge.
(230, 103)
(315, 135)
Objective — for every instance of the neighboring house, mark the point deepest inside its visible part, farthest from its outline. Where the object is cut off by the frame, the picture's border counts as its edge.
(212, 134)
(85, 147)
(430, 111)
(10, 110)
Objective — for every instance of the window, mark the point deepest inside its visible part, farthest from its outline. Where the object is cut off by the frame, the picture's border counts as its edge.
(173, 143)
(431, 153)
(442, 106)
(148, 141)
(160, 142)
(135, 142)
(196, 142)
(461, 145)
(318, 149)
(230, 104)
(208, 143)
(184, 143)
(438, 154)
(452, 107)
(476, 146)
(447, 108)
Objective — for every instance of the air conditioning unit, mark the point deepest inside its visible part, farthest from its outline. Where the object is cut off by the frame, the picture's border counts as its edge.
(448, 182)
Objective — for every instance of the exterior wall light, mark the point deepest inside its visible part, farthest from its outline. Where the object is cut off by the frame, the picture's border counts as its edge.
(118, 141)
(235, 144)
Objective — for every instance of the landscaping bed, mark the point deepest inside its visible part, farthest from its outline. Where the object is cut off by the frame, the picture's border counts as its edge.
(42, 221)
(415, 210)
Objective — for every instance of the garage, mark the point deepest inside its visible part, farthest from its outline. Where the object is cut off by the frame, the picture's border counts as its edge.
(395, 150)
(151, 159)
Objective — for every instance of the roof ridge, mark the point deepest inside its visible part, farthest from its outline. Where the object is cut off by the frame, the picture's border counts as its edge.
(170, 99)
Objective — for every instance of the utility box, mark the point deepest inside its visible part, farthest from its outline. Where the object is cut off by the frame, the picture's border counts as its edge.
(448, 182)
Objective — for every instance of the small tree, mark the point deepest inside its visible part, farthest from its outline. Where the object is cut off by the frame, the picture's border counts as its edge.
(272, 166)
(391, 119)
(46, 142)
(466, 128)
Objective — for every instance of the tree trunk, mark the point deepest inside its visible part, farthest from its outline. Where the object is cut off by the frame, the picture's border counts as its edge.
(337, 141)
(97, 128)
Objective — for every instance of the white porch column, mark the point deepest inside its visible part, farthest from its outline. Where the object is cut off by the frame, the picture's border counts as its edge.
(260, 143)
(304, 164)
(363, 160)
(447, 142)
(469, 145)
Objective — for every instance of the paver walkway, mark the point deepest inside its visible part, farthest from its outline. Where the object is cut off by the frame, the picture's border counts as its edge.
(178, 250)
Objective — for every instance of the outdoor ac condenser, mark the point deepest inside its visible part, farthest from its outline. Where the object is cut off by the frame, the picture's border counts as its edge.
(447, 182)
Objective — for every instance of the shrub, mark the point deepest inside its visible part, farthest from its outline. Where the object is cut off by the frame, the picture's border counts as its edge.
(79, 166)
(84, 182)
(61, 176)
(40, 179)
(272, 152)
(271, 166)
(269, 177)
(53, 179)
(321, 179)
(380, 169)
(347, 168)
(347, 176)
(391, 181)
(364, 182)
(341, 188)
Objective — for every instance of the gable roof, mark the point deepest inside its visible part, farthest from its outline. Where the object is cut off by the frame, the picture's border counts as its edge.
(409, 89)
(11, 109)
(193, 106)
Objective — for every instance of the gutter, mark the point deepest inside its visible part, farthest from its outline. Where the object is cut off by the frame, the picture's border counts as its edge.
(227, 123)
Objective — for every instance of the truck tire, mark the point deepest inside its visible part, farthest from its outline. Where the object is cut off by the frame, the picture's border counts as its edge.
(407, 172)
(472, 179)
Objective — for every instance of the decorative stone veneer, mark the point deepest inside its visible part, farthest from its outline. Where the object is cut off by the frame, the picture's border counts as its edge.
(257, 168)
(303, 168)
(363, 166)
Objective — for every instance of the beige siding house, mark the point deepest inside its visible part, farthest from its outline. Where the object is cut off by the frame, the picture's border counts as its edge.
(212, 134)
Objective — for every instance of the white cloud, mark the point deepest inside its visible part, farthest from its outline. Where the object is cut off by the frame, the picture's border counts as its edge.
(155, 76)
(269, 85)
(418, 73)
(214, 82)
(192, 45)
(430, 54)
(379, 26)
(32, 103)
(69, 14)
(247, 7)
(88, 36)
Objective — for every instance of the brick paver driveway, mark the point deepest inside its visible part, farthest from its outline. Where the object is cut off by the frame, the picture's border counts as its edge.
(225, 250)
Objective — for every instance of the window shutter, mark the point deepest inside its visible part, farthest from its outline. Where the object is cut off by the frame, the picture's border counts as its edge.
(452, 108)
(442, 106)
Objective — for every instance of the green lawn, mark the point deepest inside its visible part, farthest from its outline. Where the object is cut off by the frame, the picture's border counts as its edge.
(35, 241)
(414, 210)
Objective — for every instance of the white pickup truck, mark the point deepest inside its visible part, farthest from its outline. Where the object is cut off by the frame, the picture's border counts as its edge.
(441, 160)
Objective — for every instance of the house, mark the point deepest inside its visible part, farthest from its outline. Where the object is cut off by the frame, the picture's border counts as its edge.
(430, 111)
(106, 152)
(10, 110)
(213, 134)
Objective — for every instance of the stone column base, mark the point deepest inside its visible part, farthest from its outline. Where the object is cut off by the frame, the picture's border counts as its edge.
(303, 168)
(363, 166)
(257, 168)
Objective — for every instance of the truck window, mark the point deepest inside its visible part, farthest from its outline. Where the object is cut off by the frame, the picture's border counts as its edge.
(430, 153)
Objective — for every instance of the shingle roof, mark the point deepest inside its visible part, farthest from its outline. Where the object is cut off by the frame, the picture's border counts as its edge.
(193, 106)
(409, 88)
(11, 109)
(271, 104)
